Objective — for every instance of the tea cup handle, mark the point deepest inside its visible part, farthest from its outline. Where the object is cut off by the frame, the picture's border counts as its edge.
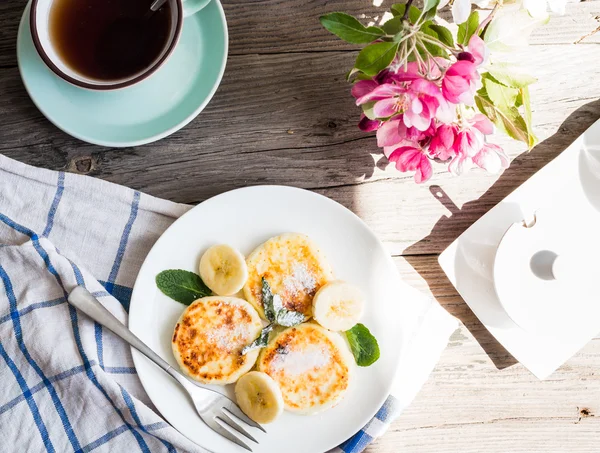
(193, 6)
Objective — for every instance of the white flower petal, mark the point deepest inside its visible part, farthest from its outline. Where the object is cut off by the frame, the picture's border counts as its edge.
(557, 6)
(461, 10)
(537, 8)
(510, 30)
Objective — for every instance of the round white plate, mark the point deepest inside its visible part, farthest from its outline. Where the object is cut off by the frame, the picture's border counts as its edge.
(245, 218)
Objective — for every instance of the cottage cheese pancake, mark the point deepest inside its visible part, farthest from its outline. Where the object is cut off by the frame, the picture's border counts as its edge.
(293, 266)
(210, 335)
(311, 365)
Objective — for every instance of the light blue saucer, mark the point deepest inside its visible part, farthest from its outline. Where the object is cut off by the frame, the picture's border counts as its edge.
(143, 113)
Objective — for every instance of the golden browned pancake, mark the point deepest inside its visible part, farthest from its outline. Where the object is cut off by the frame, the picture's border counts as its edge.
(210, 335)
(312, 366)
(293, 266)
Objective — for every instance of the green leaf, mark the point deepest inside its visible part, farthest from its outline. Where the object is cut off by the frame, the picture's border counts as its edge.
(350, 73)
(289, 318)
(363, 345)
(429, 8)
(261, 341)
(350, 29)
(275, 311)
(376, 57)
(507, 100)
(367, 109)
(434, 49)
(509, 120)
(413, 12)
(443, 34)
(393, 26)
(508, 75)
(361, 76)
(524, 94)
(182, 286)
(267, 301)
(500, 95)
(467, 29)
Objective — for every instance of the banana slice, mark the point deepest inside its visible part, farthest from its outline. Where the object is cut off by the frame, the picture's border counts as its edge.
(259, 397)
(223, 269)
(338, 305)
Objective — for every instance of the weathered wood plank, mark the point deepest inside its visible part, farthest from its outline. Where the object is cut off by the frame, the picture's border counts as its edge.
(275, 26)
(278, 26)
(469, 405)
(270, 123)
(283, 115)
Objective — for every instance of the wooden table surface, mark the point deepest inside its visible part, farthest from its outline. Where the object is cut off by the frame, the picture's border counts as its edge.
(284, 115)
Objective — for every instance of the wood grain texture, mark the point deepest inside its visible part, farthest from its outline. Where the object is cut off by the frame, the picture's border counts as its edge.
(284, 115)
(273, 124)
(468, 405)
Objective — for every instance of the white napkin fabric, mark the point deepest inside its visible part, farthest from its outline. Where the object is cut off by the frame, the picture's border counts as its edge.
(69, 384)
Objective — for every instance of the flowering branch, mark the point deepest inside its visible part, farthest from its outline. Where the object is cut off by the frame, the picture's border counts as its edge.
(433, 95)
(407, 9)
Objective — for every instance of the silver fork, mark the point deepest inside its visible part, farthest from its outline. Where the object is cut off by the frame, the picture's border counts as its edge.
(216, 410)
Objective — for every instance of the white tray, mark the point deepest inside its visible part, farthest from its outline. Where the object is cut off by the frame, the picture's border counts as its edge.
(571, 184)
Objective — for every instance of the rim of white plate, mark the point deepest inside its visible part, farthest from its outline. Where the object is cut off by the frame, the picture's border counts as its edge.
(137, 357)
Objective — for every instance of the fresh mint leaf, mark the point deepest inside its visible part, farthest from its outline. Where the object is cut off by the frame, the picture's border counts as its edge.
(260, 342)
(275, 311)
(350, 29)
(363, 344)
(289, 318)
(467, 29)
(443, 34)
(182, 286)
(267, 301)
(413, 12)
(376, 57)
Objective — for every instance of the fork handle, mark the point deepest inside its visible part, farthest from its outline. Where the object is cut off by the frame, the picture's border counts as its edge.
(83, 300)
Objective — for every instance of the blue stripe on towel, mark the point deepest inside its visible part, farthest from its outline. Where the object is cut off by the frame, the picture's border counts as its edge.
(74, 319)
(123, 244)
(60, 187)
(129, 401)
(19, 336)
(36, 388)
(30, 401)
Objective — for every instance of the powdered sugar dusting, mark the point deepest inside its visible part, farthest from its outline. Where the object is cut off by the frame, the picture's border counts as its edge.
(300, 280)
(229, 338)
(296, 363)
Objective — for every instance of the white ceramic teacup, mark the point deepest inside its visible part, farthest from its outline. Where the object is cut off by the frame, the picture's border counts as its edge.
(40, 33)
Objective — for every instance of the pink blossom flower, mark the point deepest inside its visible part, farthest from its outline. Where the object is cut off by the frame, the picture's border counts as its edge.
(491, 158)
(411, 157)
(416, 101)
(442, 143)
(468, 142)
(478, 50)
(461, 81)
(368, 125)
(394, 132)
(363, 87)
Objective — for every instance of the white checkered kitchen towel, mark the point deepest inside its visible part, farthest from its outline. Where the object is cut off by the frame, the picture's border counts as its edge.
(67, 384)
